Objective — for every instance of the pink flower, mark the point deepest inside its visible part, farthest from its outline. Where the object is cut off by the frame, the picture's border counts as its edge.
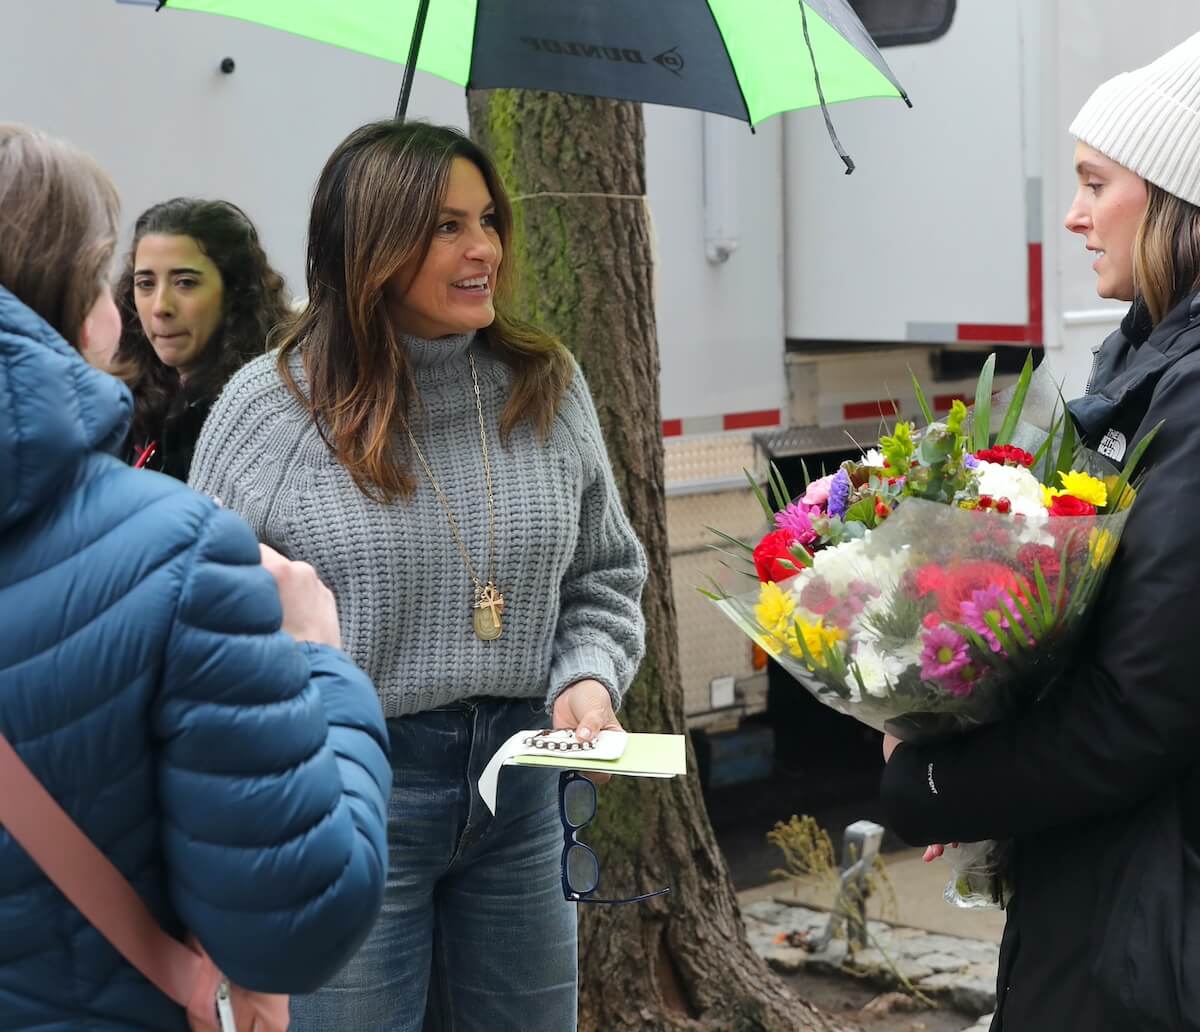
(944, 653)
(818, 491)
(817, 598)
(992, 601)
(963, 681)
(796, 519)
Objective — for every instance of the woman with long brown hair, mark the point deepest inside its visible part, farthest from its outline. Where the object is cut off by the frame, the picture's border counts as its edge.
(194, 718)
(441, 465)
(198, 300)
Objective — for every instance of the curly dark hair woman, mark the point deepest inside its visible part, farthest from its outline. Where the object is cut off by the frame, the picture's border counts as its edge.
(198, 299)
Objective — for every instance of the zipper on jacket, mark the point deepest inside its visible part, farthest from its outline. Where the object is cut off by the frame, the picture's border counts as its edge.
(1087, 387)
(225, 1014)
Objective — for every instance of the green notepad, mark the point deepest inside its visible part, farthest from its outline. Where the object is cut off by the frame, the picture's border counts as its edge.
(652, 756)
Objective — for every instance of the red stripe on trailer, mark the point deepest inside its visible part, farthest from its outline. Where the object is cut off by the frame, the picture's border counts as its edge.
(672, 427)
(748, 420)
(1035, 294)
(870, 409)
(992, 333)
(1008, 333)
(942, 402)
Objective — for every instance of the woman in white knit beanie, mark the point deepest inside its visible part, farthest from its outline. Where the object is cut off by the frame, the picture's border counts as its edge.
(1096, 785)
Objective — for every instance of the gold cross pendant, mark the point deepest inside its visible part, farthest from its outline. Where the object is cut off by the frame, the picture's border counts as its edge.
(489, 605)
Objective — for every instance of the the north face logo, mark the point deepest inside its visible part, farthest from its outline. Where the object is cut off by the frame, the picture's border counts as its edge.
(1113, 445)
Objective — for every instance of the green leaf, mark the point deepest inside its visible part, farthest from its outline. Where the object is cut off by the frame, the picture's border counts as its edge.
(1130, 468)
(1043, 594)
(981, 646)
(1055, 423)
(778, 487)
(1018, 402)
(859, 679)
(729, 540)
(926, 411)
(1062, 580)
(807, 478)
(1006, 643)
(1066, 451)
(862, 511)
(1014, 626)
(762, 498)
(981, 424)
(741, 560)
(1032, 614)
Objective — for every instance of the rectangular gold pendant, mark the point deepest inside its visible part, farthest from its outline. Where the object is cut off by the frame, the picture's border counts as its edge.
(489, 604)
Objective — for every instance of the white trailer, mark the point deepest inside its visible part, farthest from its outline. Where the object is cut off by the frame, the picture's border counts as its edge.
(792, 300)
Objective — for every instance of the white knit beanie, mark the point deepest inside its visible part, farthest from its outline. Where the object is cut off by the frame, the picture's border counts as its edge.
(1149, 121)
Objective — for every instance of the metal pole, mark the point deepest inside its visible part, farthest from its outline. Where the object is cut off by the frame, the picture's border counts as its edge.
(410, 66)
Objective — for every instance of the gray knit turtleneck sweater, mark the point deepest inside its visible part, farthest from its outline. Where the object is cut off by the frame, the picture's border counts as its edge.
(567, 560)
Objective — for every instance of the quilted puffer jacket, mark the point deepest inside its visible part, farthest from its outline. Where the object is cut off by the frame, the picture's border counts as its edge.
(236, 778)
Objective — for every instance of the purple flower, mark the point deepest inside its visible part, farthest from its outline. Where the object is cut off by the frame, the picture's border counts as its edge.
(944, 653)
(991, 601)
(839, 493)
(970, 461)
(796, 519)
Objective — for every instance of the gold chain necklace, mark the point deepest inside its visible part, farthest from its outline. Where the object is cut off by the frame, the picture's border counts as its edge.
(489, 603)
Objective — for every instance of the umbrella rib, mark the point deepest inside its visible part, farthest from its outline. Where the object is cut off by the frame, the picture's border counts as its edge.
(837, 144)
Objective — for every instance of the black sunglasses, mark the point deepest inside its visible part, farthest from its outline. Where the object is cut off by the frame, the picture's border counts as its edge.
(580, 867)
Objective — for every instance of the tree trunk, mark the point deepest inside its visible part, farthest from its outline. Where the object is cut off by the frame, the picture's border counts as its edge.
(575, 168)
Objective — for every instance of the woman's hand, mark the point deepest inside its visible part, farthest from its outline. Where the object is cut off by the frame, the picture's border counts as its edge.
(309, 608)
(933, 852)
(586, 708)
(889, 746)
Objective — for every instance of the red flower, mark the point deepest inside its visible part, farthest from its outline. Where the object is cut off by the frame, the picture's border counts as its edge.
(1045, 557)
(1068, 505)
(929, 579)
(1003, 505)
(771, 555)
(1006, 454)
(962, 581)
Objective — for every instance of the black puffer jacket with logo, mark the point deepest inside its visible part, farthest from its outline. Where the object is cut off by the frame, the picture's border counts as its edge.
(1066, 779)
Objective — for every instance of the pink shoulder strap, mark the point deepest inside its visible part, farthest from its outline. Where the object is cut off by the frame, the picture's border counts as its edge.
(89, 880)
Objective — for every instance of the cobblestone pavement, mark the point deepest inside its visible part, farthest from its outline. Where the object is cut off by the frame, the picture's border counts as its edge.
(958, 972)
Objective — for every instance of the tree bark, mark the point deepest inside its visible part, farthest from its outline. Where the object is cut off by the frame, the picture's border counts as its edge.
(575, 168)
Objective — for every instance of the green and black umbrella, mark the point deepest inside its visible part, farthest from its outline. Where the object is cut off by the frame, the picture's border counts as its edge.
(748, 59)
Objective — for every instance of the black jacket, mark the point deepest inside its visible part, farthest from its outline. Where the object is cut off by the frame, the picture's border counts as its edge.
(1065, 778)
(177, 437)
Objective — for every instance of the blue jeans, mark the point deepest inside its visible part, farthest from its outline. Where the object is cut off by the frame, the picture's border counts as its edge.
(474, 935)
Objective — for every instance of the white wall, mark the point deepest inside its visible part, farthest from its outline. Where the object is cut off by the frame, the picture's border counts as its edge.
(142, 91)
(720, 326)
(930, 228)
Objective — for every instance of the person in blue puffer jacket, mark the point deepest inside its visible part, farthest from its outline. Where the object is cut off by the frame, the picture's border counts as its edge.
(235, 772)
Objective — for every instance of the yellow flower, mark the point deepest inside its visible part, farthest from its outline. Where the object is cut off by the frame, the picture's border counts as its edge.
(817, 638)
(1049, 494)
(774, 615)
(1127, 496)
(1102, 545)
(1085, 488)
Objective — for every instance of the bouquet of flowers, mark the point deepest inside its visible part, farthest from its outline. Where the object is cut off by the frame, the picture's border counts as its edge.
(939, 582)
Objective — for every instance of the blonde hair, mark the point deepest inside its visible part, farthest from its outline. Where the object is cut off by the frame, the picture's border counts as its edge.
(58, 227)
(1166, 252)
